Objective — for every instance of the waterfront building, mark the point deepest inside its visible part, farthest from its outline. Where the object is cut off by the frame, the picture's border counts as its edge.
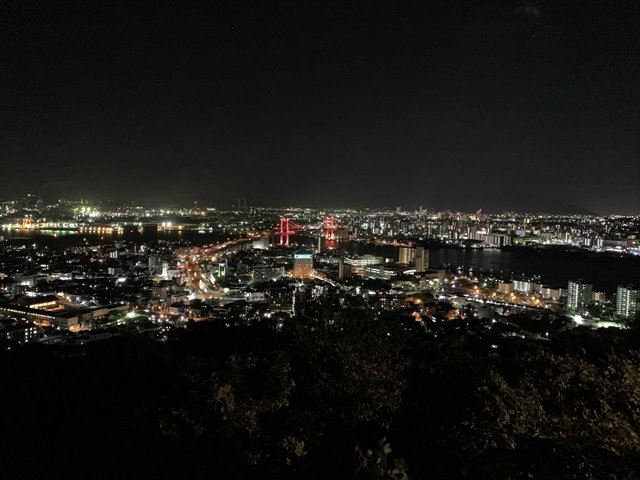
(406, 255)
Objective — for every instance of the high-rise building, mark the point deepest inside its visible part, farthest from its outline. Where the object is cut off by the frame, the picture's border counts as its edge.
(406, 255)
(579, 294)
(302, 265)
(627, 301)
(421, 259)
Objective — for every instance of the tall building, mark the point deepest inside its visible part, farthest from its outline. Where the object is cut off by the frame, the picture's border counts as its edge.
(579, 294)
(302, 265)
(627, 301)
(406, 255)
(421, 259)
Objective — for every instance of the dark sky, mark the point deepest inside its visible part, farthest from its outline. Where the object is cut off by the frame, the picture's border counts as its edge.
(450, 105)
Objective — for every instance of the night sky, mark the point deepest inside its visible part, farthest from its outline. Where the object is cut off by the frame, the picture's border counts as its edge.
(518, 105)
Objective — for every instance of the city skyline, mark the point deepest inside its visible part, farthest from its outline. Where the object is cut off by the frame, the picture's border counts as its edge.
(32, 202)
(528, 106)
(544, 206)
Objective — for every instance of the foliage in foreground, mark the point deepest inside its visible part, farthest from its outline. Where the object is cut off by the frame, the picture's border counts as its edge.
(350, 397)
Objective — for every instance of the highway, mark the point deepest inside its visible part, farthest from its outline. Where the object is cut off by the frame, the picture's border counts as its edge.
(200, 285)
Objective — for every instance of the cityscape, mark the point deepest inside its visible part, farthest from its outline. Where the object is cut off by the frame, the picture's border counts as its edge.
(71, 270)
(317, 240)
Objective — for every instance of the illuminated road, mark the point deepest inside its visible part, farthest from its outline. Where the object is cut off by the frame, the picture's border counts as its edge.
(200, 285)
